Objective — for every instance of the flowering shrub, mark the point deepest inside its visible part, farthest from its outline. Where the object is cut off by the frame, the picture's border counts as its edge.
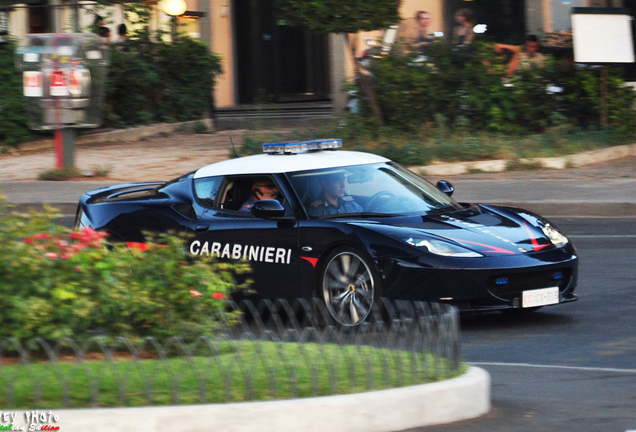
(56, 283)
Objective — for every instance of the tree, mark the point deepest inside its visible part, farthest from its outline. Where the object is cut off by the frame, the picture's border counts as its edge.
(343, 16)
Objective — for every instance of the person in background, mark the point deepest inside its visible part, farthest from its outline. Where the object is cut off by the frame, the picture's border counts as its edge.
(104, 32)
(415, 32)
(523, 57)
(98, 22)
(100, 29)
(463, 33)
(121, 33)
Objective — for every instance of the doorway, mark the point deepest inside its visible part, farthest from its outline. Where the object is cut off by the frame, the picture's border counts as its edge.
(275, 62)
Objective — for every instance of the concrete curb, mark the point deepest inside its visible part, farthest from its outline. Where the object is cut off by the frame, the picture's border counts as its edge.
(461, 398)
(499, 165)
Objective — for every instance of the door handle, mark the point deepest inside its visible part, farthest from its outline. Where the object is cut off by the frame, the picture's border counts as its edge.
(202, 228)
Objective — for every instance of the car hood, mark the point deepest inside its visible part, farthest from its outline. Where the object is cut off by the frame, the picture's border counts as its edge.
(489, 230)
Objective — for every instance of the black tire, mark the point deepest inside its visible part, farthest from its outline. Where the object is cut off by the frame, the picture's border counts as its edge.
(349, 284)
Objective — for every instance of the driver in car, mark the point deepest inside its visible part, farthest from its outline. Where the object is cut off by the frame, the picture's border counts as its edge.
(332, 200)
(261, 189)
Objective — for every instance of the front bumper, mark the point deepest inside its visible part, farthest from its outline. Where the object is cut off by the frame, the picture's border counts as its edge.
(484, 284)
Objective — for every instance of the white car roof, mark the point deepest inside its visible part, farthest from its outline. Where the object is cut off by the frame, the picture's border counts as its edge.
(282, 163)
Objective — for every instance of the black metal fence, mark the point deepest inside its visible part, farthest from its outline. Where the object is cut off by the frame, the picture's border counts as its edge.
(278, 350)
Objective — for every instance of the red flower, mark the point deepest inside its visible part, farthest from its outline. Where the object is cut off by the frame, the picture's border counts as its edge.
(28, 240)
(137, 246)
(61, 243)
(195, 293)
(41, 236)
(87, 236)
(51, 255)
(218, 295)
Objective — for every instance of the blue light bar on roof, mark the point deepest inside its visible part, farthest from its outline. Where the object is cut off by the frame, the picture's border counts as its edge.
(301, 146)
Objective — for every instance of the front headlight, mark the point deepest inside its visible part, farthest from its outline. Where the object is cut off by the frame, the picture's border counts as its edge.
(554, 236)
(439, 247)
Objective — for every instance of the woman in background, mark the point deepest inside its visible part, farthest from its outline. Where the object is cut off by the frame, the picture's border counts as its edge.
(463, 33)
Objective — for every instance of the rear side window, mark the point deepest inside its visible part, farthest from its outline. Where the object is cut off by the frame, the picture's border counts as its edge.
(238, 193)
(206, 189)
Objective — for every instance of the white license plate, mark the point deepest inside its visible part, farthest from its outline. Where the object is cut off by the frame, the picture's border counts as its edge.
(540, 297)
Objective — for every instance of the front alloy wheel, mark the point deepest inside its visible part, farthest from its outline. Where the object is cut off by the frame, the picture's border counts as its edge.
(348, 287)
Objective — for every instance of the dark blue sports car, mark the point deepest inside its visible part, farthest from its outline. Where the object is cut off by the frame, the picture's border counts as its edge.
(347, 227)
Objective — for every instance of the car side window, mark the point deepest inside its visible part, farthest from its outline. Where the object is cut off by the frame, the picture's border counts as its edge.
(234, 193)
(239, 193)
(206, 189)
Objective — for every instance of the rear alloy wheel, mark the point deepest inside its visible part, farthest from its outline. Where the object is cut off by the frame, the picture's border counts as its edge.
(349, 286)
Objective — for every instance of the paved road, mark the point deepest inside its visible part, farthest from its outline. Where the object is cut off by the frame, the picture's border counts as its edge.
(569, 367)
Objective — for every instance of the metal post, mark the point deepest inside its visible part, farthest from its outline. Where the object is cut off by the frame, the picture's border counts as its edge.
(68, 147)
(604, 96)
(64, 148)
(59, 149)
(75, 7)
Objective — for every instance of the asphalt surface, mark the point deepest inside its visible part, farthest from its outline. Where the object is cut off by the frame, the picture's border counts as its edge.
(566, 367)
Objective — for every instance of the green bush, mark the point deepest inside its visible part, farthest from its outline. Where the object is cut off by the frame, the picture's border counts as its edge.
(57, 284)
(13, 119)
(470, 86)
(158, 81)
(60, 174)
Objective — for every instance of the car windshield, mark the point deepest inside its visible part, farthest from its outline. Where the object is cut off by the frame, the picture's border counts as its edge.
(373, 189)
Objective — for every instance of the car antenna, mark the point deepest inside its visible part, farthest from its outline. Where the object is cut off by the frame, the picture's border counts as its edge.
(234, 148)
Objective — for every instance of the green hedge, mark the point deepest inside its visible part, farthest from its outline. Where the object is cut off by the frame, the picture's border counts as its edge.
(13, 120)
(160, 82)
(147, 82)
(467, 87)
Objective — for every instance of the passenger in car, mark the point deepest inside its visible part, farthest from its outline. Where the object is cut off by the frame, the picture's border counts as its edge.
(332, 200)
(261, 189)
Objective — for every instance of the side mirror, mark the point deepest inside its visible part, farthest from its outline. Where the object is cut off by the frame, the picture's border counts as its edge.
(445, 187)
(268, 209)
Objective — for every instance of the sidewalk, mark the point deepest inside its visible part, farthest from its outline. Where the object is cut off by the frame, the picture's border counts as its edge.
(604, 188)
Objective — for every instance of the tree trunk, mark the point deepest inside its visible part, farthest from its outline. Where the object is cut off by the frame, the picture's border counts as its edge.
(364, 79)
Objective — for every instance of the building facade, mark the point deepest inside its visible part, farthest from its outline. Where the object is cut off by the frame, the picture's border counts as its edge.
(265, 60)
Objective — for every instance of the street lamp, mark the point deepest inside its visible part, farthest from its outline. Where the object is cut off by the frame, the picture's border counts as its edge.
(174, 8)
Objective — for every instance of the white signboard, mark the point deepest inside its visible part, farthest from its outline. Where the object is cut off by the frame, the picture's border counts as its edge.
(59, 84)
(602, 38)
(79, 81)
(32, 83)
